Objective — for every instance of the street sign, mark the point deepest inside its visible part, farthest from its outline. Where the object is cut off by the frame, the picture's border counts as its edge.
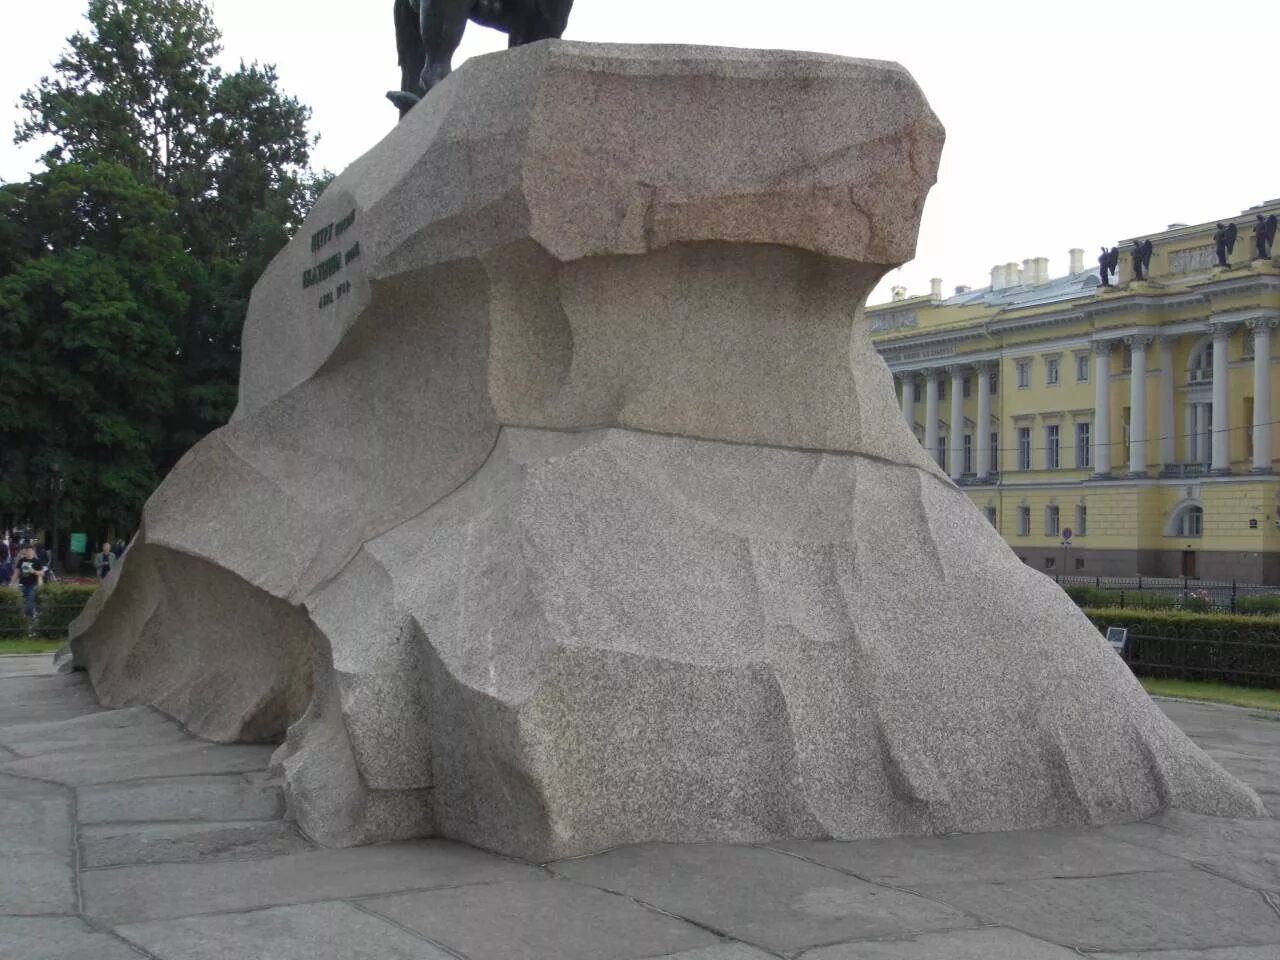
(1066, 534)
(79, 542)
(1117, 636)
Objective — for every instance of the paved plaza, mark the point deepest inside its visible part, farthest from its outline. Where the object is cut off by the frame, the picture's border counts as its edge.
(122, 836)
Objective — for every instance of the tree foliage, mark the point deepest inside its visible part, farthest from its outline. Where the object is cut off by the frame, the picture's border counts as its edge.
(126, 264)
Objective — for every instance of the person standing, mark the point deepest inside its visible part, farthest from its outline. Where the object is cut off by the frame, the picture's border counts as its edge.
(29, 574)
(104, 561)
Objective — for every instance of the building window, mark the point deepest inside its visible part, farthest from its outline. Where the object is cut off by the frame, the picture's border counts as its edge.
(1024, 448)
(942, 389)
(1079, 563)
(1127, 359)
(1051, 371)
(968, 453)
(1052, 447)
(1082, 368)
(942, 451)
(1050, 563)
(1246, 349)
(995, 453)
(1024, 521)
(995, 382)
(991, 516)
(1082, 521)
(1191, 522)
(1202, 364)
(1084, 452)
(1024, 374)
(1052, 522)
(966, 387)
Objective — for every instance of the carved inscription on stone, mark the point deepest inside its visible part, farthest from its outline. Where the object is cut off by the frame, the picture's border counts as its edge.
(333, 264)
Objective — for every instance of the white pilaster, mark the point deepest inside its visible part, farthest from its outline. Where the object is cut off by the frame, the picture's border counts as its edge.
(1261, 394)
(909, 400)
(931, 413)
(1138, 406)
(955, 453)
(1221, 399)
(1102, 408)
(1168, 453)
(982, 444)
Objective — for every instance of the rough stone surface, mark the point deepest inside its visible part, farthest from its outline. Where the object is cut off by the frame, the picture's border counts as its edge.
(584, 515)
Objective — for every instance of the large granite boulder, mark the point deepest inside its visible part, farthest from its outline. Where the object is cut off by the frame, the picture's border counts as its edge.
(567, 503)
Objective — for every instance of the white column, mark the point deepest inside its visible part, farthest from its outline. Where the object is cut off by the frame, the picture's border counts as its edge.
(1102, 409)
(1262, 395)
(909, 400)
(931, 413)
(1138, 406)
(982, 442)
(956, 444)
(1221, 398)
(1168, 431)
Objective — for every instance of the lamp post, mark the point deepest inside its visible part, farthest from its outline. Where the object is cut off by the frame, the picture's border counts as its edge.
(55, 493)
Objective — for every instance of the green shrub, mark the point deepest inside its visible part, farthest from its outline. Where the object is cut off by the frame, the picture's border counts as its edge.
(1150, 599)
(13, 626)
(1264, 604)
(1182, 645)
(1092, 596)
(57, 605)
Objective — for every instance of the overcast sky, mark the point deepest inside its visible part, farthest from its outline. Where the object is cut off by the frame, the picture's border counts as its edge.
(1065, 127)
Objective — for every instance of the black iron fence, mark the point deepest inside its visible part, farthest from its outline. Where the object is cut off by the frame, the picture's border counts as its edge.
(1169, 593)
(1233, 657)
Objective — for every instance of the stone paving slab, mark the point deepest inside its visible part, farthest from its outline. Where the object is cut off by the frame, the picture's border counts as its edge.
(988, 943)
(1226, 953)
(23, 665)
(37, 862)
(196, 798)
(1247, 851)
(540, 919)
(1136, 911)
(317, 931)
(760, 896)
(108, 845)
(93, 764)
(59, 938)
(132, 726)
(169, 890)
(1177, 887)
(1022, 855)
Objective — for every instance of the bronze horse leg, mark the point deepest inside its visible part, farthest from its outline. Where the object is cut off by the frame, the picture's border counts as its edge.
(441, 28)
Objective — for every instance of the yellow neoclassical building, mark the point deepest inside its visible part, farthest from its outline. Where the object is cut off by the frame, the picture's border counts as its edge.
(1139, 416)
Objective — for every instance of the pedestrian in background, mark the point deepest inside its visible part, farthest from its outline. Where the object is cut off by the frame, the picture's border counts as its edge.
(29, 574)
(105, 561)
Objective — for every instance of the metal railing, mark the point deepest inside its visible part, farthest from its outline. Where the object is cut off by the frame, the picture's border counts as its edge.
(1175, 593)
(1239, 657)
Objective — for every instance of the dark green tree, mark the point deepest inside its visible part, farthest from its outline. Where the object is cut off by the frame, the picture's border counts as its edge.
(95, 273)
(138, 95)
